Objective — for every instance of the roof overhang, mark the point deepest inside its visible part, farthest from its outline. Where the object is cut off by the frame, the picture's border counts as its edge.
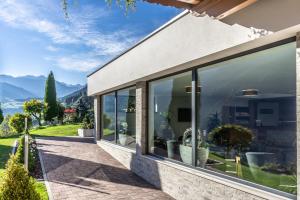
(214, 8)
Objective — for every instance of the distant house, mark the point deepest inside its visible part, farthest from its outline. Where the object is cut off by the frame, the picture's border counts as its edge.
(206, 107)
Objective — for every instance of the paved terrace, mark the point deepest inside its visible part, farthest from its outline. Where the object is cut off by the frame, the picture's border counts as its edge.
(78, 169)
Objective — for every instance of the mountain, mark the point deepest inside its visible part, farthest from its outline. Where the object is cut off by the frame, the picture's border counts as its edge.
(74, 98)
(35, 85)
(9, 92)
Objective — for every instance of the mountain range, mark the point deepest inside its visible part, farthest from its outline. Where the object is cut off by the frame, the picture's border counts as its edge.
(25, 87)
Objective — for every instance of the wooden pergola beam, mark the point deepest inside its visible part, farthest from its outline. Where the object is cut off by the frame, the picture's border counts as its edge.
(214, 8)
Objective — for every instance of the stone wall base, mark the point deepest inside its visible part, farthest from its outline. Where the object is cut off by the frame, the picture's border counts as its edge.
(182, 182)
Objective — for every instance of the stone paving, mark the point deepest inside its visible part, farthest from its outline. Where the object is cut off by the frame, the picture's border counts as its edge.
(77, 168)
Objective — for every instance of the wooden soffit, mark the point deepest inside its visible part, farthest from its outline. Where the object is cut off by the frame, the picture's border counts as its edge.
(214, 8)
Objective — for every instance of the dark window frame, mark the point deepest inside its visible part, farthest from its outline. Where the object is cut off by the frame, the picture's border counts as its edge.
(115, 93)
(194, 116)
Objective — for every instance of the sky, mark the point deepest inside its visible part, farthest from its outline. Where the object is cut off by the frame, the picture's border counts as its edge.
(36, 37)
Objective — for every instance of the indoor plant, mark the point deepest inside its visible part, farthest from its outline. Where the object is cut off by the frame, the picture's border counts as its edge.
(123, 133)
(186, 148)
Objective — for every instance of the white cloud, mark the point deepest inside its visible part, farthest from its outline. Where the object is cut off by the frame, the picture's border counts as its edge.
(81, 29)
(78, 63)
(52, 48)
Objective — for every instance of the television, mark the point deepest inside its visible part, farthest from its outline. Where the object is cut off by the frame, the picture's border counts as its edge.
(184, 114)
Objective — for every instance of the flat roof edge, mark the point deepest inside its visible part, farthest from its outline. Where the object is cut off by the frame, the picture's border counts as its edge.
(173, 20)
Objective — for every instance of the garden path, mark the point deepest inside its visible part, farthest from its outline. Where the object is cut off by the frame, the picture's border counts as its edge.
(77, 168)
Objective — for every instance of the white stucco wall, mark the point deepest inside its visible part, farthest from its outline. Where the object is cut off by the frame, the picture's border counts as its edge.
(186, 39)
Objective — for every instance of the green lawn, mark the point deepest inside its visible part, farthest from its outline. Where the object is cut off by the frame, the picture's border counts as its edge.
(5, 149)
(281, 182)
(61, 130)
(41, 189)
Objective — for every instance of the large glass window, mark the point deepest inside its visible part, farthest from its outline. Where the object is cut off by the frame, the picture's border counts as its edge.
(245, 118)
(118, 117)
(108, 117)
(169, 114)
(126, 117)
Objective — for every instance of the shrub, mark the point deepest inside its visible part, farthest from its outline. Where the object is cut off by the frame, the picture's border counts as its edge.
(106, 121)
(232, 137)
(87, 123)
(20, 155)
(17, 122)
(5, 129)
(17, 184)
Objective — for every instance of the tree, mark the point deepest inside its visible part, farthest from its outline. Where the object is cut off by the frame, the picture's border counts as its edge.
(129, 4)
(60, 112)
(34, 108)
(17, 184)
(1, 115)
(50, 110)
(231, 136)
(17, 122)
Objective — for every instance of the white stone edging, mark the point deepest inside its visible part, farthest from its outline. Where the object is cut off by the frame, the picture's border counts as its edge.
(50, 196)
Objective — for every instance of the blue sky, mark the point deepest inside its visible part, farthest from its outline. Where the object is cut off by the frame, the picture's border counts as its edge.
(36, 37)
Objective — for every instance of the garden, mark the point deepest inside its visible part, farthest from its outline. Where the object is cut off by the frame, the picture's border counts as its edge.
(39, 119)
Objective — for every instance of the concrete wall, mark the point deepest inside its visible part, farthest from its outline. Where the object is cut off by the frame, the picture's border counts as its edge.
(184, 40)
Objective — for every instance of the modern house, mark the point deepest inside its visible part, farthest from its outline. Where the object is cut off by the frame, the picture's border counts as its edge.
(208, 107)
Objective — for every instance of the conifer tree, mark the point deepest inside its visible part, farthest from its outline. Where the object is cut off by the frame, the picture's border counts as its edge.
(1, 115)
(50, 110)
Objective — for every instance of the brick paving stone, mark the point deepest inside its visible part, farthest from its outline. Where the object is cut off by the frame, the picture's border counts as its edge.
(79, 169)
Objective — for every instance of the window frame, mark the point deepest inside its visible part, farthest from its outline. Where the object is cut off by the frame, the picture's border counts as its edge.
(194, 83)
(115, 93)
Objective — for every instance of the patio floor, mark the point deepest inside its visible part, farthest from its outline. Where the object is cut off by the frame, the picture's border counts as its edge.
(77, 168)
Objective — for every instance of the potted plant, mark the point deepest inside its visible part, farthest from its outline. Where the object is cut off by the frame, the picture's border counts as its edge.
(123, 134)
(87, 129)
(186, 148)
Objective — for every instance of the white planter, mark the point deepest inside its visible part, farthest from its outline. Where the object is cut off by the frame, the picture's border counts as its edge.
(123, 139)
(85, 132)
(186, 155)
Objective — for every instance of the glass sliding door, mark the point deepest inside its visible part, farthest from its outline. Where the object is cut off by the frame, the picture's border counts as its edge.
(170, 117)
(108, 116)
(247, 117)
(126, 117)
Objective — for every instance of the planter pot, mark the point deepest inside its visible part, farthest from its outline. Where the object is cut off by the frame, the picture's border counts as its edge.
(186, 155)
(171, 148)
(86, 132)
(123, 139)
(258, 159)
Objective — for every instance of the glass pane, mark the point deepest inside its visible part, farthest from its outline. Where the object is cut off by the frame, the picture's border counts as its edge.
(170, 117)
(247, 118)
(126, 117)
(108, 117)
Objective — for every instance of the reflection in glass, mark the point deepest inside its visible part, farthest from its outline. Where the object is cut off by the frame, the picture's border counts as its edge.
(170, 117)
(126, 117)
(108, 117)
(247, 115)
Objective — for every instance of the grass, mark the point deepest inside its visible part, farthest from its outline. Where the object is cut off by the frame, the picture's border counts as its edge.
(276, 181)
(6, 144)
(60, 130)
(41, 189)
